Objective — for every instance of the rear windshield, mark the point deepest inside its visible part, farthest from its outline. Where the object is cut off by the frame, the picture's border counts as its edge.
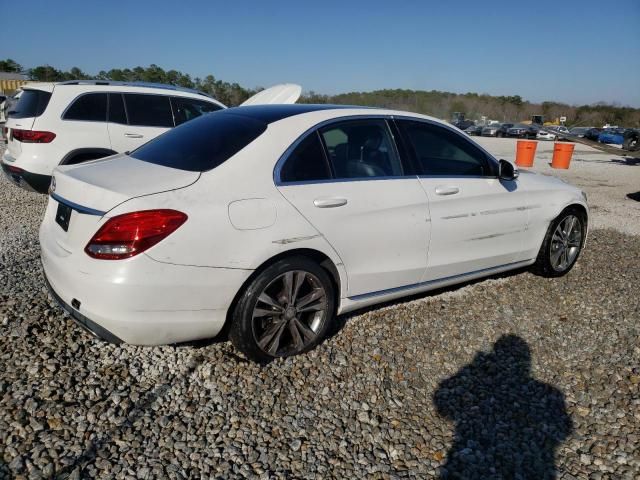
(31, 104)
(203, 143)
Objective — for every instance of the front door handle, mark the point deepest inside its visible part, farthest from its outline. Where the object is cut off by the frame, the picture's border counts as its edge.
(447, 190)
(329, 202)
(133, 135)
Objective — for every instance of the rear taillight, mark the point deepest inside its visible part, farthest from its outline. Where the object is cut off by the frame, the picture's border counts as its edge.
(132, 233)
(13, 169)
(32, 136)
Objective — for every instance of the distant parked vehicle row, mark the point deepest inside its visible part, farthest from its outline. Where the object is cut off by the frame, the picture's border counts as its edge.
(496, 130)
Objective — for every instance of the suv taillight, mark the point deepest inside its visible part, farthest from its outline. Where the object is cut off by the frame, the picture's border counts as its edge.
(128, 235)
(32, 136)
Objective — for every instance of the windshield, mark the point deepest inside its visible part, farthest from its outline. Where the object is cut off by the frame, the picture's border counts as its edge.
(32, 103)
(203, 143)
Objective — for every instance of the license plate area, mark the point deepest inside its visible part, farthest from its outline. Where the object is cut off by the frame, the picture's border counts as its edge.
(63, 216)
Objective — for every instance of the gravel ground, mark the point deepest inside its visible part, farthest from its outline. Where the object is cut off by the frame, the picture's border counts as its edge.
(511, 377)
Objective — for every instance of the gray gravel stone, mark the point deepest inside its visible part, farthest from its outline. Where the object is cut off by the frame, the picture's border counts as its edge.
(360, 405)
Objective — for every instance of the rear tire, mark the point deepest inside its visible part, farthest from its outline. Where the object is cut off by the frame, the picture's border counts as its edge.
(562, 244)
(287, 309)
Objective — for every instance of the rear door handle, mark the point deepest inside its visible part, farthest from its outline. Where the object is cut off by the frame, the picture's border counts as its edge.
(133, 135)
(447, 190)
(329, 202)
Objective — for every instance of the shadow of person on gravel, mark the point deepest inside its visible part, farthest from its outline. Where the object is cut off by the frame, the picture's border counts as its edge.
(508, 425)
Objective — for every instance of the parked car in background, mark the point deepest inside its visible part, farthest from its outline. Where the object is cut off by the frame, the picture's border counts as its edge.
(463, 124)
(630, 142)
(613, 136)
(579, 131)
(592, 134)
(266, 219)
(521, 130)
(73, 122)
(496, 130)
(474, 130)
(544, 134)
(559, 129)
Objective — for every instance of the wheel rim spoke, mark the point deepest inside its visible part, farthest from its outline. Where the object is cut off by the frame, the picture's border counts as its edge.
(269, 300)
(270, 341)
(311, 297)
(314, 307)
(263, 312)
(555, 257)
(295, 334)
(299, 279)
(308, 334)
(287, 283)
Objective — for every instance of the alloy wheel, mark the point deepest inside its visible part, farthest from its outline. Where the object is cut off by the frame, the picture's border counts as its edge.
(289, 313)
(565, 243)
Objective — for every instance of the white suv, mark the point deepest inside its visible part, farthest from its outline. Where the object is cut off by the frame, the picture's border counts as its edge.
(71, 122)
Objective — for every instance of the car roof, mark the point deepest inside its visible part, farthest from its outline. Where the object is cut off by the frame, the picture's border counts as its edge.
(276, 112)
(150, 85)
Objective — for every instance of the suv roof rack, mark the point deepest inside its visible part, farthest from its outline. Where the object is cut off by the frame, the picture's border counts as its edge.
(134, 84)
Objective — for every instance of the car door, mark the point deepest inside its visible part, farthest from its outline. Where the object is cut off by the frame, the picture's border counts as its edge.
(145, 117)
(85, 119)
(347, 179)
(477, 220)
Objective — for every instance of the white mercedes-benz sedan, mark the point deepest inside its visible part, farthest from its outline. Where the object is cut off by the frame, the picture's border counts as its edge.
(268, 221)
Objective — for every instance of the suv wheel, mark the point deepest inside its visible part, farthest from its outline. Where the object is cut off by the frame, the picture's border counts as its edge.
(287, 309)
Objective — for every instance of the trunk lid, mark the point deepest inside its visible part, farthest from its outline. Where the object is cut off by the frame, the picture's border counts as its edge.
(82, 194)
(105, 183)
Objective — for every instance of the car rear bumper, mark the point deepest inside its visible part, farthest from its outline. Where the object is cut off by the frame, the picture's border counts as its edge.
(34, 182)
(139, 300)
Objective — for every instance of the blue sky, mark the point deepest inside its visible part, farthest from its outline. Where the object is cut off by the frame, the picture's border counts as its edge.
(576, 51)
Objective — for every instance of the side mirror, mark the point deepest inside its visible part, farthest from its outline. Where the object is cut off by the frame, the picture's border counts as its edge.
(507, 171)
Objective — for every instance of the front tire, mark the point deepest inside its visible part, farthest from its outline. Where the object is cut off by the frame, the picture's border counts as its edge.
(562, 244)
(286, 310)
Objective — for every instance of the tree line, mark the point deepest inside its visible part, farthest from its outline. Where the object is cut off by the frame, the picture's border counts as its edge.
(436, 103)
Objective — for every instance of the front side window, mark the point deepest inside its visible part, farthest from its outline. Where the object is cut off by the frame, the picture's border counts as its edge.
(361, 149)
(440, 151)
(148, 110)
(32, 103)
(91, 107)
(185, 109)
(203, 143)
(307, 162)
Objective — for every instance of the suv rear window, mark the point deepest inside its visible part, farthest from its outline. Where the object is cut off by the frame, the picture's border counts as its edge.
(32, 103)
(203, 143)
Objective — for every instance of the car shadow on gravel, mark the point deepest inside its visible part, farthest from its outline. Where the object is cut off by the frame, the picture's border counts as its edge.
(507, 424)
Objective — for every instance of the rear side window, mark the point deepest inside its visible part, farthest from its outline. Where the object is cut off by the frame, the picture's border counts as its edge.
(32, 103)
(361, 149)
(185, 109)
(202, 144)
(116, 109)
(91, 107)
(440, 151)
(148, 110)
(306, 163)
